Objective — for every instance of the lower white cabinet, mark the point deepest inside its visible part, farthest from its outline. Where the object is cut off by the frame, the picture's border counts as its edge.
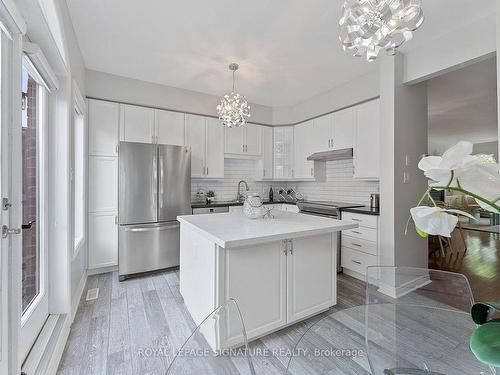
(103, 240)
(281, 282)
(360, 245)
(310, 269)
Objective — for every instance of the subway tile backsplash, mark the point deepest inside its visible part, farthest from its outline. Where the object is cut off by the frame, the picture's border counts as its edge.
(339, 185)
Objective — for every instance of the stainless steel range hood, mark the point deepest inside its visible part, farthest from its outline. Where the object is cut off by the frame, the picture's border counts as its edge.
(343, 154)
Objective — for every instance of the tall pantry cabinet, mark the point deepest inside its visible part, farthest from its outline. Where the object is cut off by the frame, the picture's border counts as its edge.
(103, 122)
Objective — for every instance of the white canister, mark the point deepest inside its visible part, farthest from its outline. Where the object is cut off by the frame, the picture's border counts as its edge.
(253, 207)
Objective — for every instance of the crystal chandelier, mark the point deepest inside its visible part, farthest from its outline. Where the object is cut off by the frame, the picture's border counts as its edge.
(233, 109)
(368, 26)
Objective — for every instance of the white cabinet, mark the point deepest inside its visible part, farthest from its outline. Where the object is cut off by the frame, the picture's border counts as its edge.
(343, 129)
(367, 138)
(196, 138)
(137, 124)
(295, 279)
(334, 131)
(235, 140)
(310, 282)
(170, 128)
(215, 149)
(103, 184)
(256, 278)
(206, 138)
(322, 133)
(244, 141)
(103, 240)
(103, 121)
(266, 163)
(360, 245)
(283, 152)
(303, 147)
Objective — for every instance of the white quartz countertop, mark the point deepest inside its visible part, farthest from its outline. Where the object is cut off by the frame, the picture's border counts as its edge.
(234, 229)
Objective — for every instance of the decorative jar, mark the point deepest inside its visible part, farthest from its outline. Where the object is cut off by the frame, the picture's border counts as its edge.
(252, 208)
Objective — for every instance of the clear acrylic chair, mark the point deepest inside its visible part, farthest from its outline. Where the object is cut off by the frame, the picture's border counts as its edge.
(417, 321)
(217, 346)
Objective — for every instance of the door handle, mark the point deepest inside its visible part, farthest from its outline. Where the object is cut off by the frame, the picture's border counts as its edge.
(355, 261)
(29, 225)
(6, 231)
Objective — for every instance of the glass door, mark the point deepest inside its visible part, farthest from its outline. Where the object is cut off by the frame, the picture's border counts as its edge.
(34, 256)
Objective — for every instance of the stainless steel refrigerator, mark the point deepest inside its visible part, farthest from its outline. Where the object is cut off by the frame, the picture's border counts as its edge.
(154, 188)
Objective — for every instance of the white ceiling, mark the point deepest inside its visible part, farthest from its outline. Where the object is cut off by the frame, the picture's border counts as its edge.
(463, 105)
(288, 50)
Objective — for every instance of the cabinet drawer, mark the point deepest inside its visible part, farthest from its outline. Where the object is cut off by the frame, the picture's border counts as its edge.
(356, 260)
(359, 244)
(368, 221)
(363, 233)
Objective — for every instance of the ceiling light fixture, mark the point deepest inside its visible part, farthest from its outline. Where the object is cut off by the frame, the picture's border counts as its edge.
(368, 26)
(233, 109)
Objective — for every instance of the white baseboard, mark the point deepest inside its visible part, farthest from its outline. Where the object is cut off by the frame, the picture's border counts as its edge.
(57, 352)
(97, 271)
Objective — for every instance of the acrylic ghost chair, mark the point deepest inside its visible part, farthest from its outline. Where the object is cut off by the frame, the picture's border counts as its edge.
(217, 346)
(424, 328)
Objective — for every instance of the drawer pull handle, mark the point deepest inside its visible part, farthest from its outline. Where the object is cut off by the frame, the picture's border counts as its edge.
(355, 231)
(356, 219)
(355, 261)
(356, 244)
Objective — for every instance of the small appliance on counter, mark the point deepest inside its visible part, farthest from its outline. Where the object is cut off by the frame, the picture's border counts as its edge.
(375, 201)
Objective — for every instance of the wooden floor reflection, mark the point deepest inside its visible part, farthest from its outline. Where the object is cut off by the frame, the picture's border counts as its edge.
(480, 263)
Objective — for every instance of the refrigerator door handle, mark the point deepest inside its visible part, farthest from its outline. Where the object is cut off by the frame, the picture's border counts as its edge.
(160, 198)
(151, 228)
(155, 181)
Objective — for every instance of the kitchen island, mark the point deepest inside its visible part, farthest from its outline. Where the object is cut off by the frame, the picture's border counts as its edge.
(279, 271)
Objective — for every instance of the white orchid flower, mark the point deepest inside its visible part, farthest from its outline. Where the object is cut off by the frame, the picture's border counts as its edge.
(435, 220)
(457, 168)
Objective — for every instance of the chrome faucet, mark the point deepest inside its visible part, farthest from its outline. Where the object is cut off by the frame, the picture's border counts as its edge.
(240, 197)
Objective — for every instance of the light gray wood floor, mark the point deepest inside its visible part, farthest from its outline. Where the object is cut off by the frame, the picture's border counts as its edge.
(112, 335)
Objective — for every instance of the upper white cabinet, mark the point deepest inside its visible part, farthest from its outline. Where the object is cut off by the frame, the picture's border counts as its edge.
(266, 164)
(334, 131)
(283, 152)
(206, 138)
(170, 128)
(103, 120)
(303, 147)
(367, 136)
(215, 149)
(137, 124)
(322, 133)
(343, 129)
(243, 141)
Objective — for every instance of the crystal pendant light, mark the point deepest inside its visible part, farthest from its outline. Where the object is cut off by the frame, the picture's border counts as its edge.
(233, 109)
(369, 26)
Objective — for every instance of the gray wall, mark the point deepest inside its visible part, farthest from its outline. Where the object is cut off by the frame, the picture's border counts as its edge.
(358, 90)
(111, 87)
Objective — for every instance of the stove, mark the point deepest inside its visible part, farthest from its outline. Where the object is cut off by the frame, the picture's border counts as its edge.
(327, 209)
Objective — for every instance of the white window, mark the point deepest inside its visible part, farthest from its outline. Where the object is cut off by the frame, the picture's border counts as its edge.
(79, 177)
